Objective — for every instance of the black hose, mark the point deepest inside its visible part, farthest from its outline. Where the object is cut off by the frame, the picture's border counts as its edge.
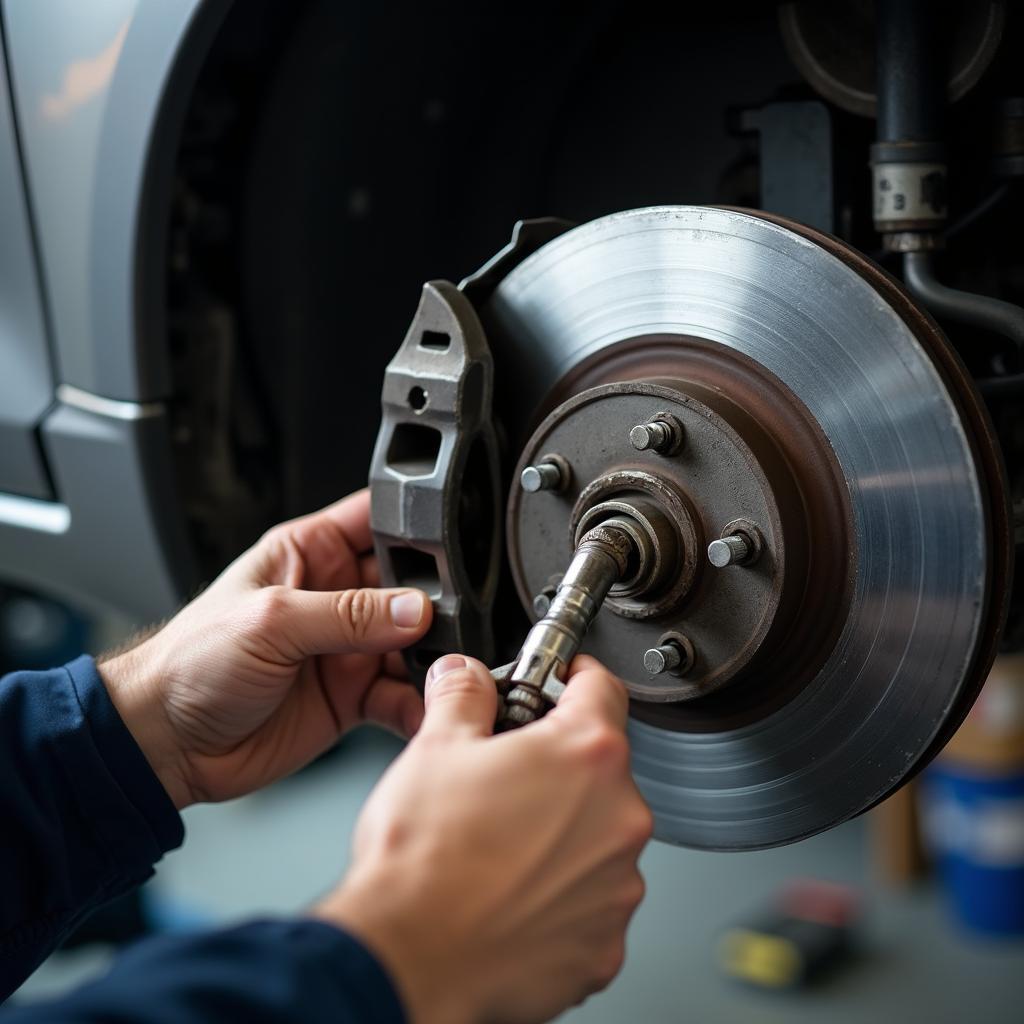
(911, 84)
(990, 314)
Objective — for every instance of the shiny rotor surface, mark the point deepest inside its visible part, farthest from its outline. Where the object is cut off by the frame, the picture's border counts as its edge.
(920, 524)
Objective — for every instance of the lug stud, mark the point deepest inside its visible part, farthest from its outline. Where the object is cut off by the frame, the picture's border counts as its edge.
(542, 602)
(662, 435)
(671, 655)
(547, 475)
(733, 550)
(662, 659)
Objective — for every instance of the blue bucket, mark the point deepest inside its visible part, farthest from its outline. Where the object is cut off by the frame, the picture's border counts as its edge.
(975, 828)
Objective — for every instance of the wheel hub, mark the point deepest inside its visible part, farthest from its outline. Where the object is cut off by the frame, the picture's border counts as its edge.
(722, 476)
(808, 481)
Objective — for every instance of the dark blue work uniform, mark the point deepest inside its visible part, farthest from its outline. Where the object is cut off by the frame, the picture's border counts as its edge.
(83, 819)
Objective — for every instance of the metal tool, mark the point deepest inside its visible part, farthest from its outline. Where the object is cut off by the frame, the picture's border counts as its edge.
(535, 680)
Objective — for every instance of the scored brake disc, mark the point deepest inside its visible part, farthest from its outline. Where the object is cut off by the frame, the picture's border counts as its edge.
(823, 412)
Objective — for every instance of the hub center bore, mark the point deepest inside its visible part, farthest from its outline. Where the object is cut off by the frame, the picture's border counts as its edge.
(670, 530)
(656, 542)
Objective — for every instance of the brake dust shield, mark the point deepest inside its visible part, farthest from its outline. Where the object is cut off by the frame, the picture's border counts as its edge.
(824, 417)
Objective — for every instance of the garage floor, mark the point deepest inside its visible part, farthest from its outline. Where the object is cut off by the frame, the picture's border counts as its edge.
(276, 851)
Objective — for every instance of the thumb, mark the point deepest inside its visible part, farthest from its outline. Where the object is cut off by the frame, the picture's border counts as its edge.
(460, 697)
(367, 620)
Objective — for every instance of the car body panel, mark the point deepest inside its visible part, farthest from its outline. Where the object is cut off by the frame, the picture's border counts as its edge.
(26, 380)
(89, 84)
(114, 540)
(95, 93)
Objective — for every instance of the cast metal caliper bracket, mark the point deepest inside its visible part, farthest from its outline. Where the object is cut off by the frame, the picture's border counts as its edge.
(527, 237)
(435, 479)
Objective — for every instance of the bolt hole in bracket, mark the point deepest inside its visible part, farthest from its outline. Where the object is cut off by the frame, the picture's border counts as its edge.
(434, 476)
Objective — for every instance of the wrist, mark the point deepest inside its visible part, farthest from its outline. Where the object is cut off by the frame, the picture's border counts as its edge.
(137, 698)
(433, 979)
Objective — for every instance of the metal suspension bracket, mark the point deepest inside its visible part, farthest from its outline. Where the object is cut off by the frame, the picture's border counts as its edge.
(434, 475)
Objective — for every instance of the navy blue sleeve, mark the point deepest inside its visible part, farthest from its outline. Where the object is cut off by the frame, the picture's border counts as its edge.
(83, 818)
(306, 972)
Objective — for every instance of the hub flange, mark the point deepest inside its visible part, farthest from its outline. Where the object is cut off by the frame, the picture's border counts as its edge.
(684, 496)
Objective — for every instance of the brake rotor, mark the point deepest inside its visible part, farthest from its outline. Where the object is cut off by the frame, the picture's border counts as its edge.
(821, 411)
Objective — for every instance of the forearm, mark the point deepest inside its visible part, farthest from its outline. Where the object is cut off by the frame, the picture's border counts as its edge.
(84, 817)
(302, 971)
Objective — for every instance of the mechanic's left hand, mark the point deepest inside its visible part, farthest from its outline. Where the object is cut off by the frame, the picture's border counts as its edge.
(286, 650)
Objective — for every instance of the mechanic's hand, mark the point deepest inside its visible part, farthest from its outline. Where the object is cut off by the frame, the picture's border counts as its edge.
(287, 649)
(495, 876)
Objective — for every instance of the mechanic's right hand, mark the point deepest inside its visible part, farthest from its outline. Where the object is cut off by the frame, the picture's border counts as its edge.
(495, 876)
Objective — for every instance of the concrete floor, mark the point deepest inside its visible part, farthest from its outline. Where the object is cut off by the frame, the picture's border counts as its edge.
(276, 851)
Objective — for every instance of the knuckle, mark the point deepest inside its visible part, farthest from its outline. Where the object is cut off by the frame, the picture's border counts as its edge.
(427, 744)
(640, 829)
(608, 964)
(270, 606)
(604, 746)
(393, 834)
(261, 624)
(357, 610)
(609, 682)
(633, 892)
(276, 543)
(273, 537)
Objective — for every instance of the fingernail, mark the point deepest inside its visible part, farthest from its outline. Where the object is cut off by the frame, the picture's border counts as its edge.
(407, 609)
(441, 667)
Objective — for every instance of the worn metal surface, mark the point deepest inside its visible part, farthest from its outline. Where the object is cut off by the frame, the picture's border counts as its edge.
(434, 475)
(667, 537)
(726, 551)
(922, 528)
(662, 434)
(668, 656)
(710, 482)
(547, 475)
(984, 444)
(815, 517)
